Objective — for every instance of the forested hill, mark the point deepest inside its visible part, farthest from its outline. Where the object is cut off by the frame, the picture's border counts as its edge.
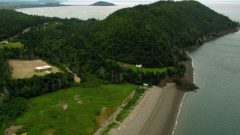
(153, 35)
(12, 23)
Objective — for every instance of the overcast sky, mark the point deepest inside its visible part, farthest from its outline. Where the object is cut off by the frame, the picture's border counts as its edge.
(126, 2)
(118, 2)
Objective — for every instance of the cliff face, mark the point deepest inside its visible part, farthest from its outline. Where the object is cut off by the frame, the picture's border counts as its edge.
(155, 35)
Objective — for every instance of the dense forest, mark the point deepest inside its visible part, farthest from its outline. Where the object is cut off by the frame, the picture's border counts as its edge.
(78, 52)
(12, 23)
(154, 35)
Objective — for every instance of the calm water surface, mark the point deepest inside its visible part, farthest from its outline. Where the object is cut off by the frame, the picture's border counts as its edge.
(215, 109)
(80, 12)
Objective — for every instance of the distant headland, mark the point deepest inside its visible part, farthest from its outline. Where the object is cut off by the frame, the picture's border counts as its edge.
(102, 3)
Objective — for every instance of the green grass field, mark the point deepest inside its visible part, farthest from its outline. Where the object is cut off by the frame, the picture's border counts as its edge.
(11, 45)
(143, 69)
(73, 111)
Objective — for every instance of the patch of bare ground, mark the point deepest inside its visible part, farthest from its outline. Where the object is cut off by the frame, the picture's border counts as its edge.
(103, 116)
(77, 99)
(164, 82)
(26, 30)
(124, 65)
(12, 130)
(63, 104)
(26, 68)
(77, 79)
(49, 132)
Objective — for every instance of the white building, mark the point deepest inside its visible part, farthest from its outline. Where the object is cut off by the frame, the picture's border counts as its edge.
(139, 65)
(43, 68)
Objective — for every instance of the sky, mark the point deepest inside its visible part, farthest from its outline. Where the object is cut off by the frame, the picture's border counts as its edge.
(118, 2)
(125, 2)
(134, 2)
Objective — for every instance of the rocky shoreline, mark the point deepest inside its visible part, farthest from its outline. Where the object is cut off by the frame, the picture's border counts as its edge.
(211, 37)
(162, 113)
(188, 83)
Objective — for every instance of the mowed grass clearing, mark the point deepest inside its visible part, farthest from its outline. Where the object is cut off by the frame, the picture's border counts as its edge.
(73, 111)
(26, 68)
(143, 69)
(11, 45)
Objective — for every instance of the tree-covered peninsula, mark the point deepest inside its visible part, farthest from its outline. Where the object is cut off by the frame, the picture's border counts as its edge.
(142, 44)
(155, 35)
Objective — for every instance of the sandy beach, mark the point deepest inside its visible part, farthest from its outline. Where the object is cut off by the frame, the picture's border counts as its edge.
(157, 111)
(155, 114)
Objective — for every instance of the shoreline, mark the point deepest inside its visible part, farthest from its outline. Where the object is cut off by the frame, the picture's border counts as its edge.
(211, 37)
(163, 118)
(190, 66)
(178, 114)
(188, 76)
(155, 114)
(158, 110)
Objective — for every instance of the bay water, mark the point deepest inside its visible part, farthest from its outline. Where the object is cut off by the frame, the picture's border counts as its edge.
(215, 108)
(79, 12)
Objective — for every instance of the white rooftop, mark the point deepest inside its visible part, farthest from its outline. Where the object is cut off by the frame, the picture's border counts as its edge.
(43, 67)
(139, 65)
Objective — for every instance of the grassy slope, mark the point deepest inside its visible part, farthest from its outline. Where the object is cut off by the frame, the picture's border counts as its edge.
(143, 69)
(46, 115)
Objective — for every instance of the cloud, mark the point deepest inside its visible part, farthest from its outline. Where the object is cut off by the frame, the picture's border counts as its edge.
(118, 2)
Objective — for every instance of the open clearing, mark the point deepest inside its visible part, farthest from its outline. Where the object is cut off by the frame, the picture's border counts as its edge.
(26, 68)
(11, 45)
(143, 69)
(73, 111)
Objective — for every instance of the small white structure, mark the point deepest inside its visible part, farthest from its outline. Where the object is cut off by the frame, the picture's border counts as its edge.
(145, 84)
(139, 65)
(43, 68)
